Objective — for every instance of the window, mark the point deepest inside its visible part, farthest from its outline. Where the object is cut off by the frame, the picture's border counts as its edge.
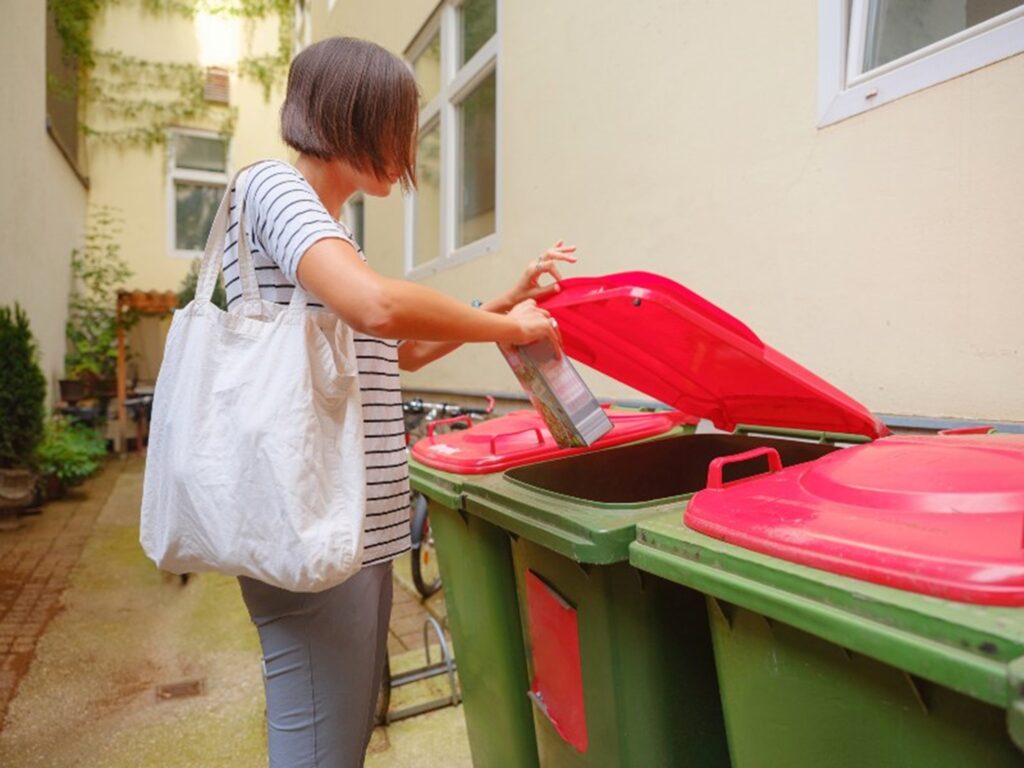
(196, 183)
(62, 87)
(875, 51)
(453, 215)
(303, 25)
(354, 216)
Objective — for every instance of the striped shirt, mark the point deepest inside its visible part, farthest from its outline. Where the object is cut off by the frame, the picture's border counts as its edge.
(284, 217)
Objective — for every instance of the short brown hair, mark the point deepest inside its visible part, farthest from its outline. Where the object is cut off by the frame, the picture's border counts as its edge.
(352, 100)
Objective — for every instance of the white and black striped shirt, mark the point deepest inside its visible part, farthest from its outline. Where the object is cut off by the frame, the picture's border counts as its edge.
(284, 217)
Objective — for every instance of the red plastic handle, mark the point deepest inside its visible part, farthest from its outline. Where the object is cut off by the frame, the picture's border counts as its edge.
(496, 438)
(716, 466)
(967, 431)
(453, 420)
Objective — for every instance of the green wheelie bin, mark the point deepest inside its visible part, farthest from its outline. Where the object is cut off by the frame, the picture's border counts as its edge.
(619, 660)
(476, 566)
(867, 609)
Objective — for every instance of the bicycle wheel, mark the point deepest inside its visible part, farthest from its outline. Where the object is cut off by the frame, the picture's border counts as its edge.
(380, 711)
(425, 572)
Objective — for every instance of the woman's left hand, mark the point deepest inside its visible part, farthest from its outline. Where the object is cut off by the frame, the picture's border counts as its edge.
(528, 286)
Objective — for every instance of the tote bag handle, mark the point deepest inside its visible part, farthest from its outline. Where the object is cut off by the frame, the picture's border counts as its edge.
(213, 256)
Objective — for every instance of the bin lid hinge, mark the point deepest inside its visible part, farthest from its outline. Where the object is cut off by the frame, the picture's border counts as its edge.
(1015, 712)
(804, 434)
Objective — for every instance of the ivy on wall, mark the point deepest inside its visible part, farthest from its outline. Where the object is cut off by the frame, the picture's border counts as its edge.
(142, 97)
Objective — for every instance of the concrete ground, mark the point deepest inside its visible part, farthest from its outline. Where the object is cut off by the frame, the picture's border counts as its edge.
(90, 630)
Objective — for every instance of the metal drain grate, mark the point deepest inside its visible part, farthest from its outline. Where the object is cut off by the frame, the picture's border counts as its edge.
(180, 690)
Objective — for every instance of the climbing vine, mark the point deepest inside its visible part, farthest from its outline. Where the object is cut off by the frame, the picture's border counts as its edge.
(139, 98)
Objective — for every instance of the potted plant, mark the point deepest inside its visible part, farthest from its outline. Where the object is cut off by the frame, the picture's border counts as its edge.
(22, 402)
(68, 453)
(97, 271)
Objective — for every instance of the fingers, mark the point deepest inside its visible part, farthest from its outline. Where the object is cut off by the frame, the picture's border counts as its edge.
(547, 266)
(539, 292)
(555, 336)
(559, 252)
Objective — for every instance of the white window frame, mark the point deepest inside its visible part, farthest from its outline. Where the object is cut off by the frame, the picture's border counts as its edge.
(456, 85)
(175, 174)
(303, 27)
(347, 216)
(844, 90)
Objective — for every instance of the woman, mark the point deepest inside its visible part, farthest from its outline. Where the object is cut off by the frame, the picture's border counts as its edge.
(350, 112)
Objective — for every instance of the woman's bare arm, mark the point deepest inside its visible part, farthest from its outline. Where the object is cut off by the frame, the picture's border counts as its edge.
(414, 354)
(384, 307)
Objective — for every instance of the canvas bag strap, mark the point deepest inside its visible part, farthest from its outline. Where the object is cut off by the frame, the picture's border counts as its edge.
(213, 256)
(299, 298)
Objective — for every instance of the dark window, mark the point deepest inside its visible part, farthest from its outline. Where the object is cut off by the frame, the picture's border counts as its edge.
(62, 98)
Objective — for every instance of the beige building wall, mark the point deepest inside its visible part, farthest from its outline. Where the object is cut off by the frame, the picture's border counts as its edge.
(392, 24)
(134, 181)
(42, 202)
(883, 252)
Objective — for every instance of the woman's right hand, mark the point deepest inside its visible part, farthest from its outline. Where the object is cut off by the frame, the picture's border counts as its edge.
(535, 323)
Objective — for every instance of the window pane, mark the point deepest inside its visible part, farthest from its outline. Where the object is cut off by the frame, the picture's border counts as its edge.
(899, 27)
(427, 219)
(427, 69)
(476, 163)
(195, 205)
(61, 92)
(200, 153)
(478, 21)
(356, 220)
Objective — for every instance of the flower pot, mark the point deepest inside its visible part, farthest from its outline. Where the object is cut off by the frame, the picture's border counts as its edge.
(17, 492)
(51, 488)
(73, 390)
(16, 488)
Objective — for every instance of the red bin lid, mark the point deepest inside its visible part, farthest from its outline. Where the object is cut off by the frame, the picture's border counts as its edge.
(666, 341)
(942, 516)
(521, 437)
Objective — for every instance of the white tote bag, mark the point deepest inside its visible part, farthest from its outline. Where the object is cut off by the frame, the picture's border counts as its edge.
(255, 464)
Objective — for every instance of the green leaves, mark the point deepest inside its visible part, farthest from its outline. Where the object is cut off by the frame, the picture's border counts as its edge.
(22, 390)
(70, 450)
(98, 271)
(187, 291)
(142, 97)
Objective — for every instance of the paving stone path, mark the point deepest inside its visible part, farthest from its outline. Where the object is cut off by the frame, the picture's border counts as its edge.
(88, 629)
(35, 561)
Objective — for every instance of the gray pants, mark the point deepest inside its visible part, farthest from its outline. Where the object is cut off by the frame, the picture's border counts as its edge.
(323, 656)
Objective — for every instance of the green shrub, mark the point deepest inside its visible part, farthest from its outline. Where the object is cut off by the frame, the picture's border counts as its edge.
(70, 450)
(97, 271)
(22, 390)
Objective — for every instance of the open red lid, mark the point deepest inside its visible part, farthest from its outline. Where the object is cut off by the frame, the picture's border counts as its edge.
(943, 516)
(521, 437)
(666, 341)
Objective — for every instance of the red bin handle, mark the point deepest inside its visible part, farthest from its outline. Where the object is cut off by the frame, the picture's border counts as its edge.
(496, 438)
(716, 466)
(968, 431)
(443, 422)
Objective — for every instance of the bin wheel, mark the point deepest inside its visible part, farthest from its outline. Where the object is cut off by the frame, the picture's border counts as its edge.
(425, 572)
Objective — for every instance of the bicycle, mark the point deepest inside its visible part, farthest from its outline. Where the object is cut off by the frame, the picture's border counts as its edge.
(419, 415)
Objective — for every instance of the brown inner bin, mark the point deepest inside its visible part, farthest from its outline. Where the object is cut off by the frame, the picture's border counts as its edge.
(658, 469)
